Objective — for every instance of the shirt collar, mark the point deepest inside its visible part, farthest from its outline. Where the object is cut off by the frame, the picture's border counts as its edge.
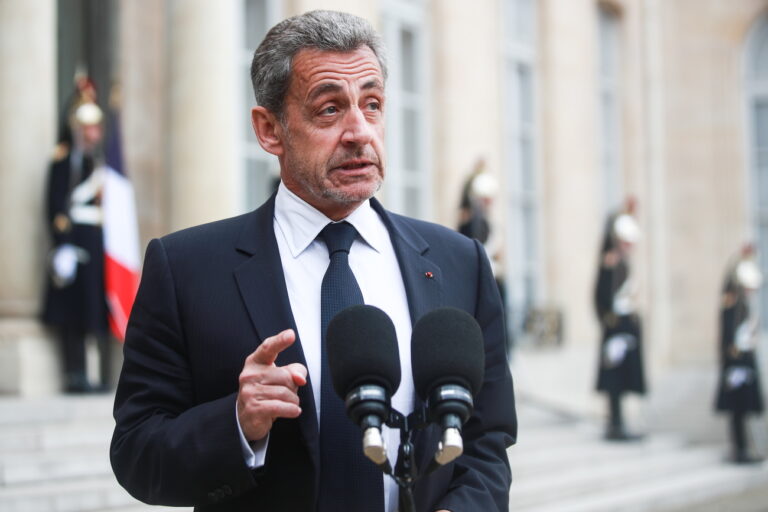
(301, 223)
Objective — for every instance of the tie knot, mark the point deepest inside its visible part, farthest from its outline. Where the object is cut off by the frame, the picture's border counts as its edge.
(338, 236)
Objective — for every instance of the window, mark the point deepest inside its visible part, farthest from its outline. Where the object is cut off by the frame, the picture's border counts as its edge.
(260, 170)
(609, 130)
(522, 250)
(756, 82)
(408, 177)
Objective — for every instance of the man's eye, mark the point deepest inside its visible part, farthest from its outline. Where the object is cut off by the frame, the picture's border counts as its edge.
(329, 110)
(374, 105)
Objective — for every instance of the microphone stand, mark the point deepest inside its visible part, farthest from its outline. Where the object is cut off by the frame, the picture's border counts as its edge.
(406, 474)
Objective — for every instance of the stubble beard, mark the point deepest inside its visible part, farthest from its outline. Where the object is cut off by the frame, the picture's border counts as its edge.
(318, 184)
(341, 196)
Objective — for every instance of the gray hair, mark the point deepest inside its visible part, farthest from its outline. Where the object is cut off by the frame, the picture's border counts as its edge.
(322, 30)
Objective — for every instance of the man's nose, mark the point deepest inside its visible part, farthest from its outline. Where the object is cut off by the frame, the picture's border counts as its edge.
(357, 128)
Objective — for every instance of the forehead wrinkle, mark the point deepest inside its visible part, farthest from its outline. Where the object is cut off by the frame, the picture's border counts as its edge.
(345, 61)
(311, 62)
(332, 87)
(336, 75)
(316, 72)
(324, 88)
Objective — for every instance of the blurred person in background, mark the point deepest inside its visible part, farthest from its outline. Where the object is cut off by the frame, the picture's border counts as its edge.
(477, 196)
(620, 366)
(476, 199)
(74, 303)
(739, 390)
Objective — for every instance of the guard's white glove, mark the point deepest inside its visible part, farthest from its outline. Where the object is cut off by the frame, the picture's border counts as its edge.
(616, 348)
(737, 376)
(64, 263)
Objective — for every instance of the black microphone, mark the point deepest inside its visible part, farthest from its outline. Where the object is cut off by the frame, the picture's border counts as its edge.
(448, 360)
(364, 362)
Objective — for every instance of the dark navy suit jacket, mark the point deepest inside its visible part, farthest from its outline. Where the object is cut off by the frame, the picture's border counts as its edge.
(208, 296)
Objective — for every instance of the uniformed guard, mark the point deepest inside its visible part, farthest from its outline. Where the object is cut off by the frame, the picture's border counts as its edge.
(620, 368)
(477, 196)
(739, 384)
(74, 303)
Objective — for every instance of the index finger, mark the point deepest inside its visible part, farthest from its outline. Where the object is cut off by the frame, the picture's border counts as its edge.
(267, 352)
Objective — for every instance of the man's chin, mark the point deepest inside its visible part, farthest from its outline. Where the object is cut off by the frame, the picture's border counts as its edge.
(353, 193)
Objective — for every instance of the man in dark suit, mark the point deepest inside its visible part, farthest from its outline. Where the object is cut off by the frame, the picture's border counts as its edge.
(218, 404)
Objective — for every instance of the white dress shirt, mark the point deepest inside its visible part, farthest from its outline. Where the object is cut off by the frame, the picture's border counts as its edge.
(374, 263)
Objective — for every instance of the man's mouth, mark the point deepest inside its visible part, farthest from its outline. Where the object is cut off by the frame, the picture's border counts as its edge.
(352, 165)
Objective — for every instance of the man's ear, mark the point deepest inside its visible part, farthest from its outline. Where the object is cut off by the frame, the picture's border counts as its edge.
(268, 130)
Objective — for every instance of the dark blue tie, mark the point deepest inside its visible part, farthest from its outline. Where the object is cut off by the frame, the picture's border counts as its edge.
(349, 482)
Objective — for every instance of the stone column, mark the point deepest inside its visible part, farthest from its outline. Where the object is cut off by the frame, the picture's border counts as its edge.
(572, 219)
(143, 75)
(204, 120)
(466, 53)
(28, 363)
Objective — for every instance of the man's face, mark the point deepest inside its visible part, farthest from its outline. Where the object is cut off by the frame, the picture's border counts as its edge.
(333, 129)
(88, 137)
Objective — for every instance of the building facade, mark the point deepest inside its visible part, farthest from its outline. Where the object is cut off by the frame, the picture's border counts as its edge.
(573, 105)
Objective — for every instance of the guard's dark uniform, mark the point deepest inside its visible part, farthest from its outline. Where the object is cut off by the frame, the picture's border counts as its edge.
(474, 223)
(747, 397)
(628, 374)
(619, 371)
(738, 391)
(78, 307)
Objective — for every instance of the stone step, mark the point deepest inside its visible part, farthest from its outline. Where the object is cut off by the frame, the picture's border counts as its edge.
(79, 409)
(93, 434)
(542, 436)
(676, 489)
(53, 465)
(537, 416)
(573, 481)
(586, 453)
(565, 466)
(81, 495)
(741, 499)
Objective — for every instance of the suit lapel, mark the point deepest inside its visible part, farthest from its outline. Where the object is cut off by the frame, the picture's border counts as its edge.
(423, 286)
(261, 283)
(422, 277)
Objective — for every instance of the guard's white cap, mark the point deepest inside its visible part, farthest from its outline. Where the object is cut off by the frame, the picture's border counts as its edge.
(484, 185)
(88, 114)
(626, 229)
(748, 274)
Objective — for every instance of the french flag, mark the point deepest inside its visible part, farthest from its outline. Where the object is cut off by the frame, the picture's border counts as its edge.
(121, 235)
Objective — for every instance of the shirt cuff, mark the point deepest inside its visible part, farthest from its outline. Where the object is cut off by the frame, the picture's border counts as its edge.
(254, 452)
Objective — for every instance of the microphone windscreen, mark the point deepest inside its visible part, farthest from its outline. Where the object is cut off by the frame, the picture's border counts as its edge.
(447, 348)
(362, 349)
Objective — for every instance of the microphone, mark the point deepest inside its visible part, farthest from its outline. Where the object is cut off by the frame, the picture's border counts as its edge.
(448, 360)
(364, 362)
